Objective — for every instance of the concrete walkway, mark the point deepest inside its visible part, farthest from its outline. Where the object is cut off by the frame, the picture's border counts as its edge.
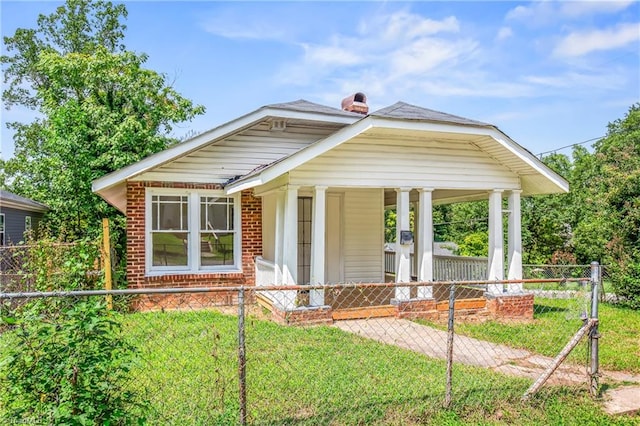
(504, 359)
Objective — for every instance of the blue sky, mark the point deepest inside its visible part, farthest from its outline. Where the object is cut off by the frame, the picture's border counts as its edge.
(548, 73)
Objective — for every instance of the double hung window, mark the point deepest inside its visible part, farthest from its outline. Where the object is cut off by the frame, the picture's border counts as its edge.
(192, 231)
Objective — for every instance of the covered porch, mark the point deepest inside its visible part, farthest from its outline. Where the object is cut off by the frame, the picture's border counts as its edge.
(327, 235)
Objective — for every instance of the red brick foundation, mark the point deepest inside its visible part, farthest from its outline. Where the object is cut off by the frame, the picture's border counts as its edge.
(416, 308)
(316, 315)
(518, 306)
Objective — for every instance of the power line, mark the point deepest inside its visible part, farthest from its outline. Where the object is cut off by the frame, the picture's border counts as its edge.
(570, 146)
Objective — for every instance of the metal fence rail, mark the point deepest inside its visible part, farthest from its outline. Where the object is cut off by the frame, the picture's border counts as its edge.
(200, 361)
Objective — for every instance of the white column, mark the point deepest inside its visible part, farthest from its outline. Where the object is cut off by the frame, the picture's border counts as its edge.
(424, 251)
(279, 235)
(515, 242)
(316, 297)
(496, 249)
(403, 252)
(290, 240)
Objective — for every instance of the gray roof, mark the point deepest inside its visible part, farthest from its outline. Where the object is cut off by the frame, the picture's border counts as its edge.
(22, 201)
(407, 111)
(306, 106)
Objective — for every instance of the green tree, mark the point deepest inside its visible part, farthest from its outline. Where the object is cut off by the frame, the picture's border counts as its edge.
(546, 219)
(100, 110)
(618, 157)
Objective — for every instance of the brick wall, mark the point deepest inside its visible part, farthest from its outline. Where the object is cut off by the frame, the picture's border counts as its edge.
(511, 306)
(251, 214)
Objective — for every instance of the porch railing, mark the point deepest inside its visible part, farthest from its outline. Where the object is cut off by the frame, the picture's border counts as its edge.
(446, 268)
(268, 274)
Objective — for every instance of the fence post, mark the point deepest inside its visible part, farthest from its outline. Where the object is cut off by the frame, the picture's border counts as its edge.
(106, 249)
(242, 374)
(452, 300)
(594, 387)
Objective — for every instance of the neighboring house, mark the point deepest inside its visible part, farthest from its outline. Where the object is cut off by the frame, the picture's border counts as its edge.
(295, 193)
(18, 215)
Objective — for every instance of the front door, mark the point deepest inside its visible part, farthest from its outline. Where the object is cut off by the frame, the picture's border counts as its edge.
(304, 239)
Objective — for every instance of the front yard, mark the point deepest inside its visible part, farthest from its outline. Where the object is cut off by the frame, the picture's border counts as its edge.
(322, 375)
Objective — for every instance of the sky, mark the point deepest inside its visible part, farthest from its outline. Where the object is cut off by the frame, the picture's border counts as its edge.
(548, 73)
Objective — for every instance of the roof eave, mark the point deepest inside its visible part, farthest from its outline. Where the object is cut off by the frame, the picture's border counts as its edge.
(211, 136)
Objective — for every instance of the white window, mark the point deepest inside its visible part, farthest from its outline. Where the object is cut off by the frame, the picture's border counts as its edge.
(192, 231)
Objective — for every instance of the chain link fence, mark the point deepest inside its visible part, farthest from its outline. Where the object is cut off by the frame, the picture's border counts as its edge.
(373, 354)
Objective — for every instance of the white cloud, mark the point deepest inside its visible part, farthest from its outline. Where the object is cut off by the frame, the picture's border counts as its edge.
(331, 56)
(385, 48)
(580, 43)
(535, 14)
(610, 79)
(406, 26)
(546, 12)
(504, 33)
(592, 7)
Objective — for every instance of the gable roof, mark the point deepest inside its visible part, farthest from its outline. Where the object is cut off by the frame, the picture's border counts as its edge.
(401, 118)
(405, 111)
(302, 105)
(9, 199)
(301, 109)
(405, 117)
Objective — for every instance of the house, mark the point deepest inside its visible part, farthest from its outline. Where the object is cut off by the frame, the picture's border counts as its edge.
(295, 193)
(17, 216)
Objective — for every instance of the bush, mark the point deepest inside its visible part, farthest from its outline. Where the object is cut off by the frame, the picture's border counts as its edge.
(66, 362)
(626, 283)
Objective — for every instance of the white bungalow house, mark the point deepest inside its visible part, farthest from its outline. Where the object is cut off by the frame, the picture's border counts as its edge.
(294, 193)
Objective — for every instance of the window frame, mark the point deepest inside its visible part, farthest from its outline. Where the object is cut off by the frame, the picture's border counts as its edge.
(3, 225)
(193, 233)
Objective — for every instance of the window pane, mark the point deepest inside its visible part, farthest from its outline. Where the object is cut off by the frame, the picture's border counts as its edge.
(216, 214)
(216, 248)
(170, 248)
(170, 213)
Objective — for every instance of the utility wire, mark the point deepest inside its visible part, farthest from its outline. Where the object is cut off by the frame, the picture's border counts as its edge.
(570, 146)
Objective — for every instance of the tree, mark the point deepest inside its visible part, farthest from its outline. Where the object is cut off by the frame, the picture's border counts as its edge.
(546, 219)
(618, 157)
(101, 110)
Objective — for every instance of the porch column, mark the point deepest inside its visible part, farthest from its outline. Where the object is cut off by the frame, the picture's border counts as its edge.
(316, 297)
(424, 251)
(403, 252)
(515, 242)
(279, 235)
(496, 249)
(290, 236)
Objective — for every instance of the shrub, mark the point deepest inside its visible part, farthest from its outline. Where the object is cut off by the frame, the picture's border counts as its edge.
(626, 283)
(65, 362)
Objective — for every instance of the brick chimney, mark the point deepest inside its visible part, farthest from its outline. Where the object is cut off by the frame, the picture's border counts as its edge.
(356, 103)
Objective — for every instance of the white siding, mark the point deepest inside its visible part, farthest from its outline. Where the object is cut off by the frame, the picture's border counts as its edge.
(269, 227)
(363, 235)
(239, 154)
(377, 162)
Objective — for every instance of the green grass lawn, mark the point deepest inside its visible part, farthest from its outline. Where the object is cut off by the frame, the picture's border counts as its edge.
(555, 321)
(321, 376)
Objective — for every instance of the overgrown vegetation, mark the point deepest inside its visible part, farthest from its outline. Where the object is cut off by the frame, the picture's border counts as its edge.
(66, 362)
(63, 360)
